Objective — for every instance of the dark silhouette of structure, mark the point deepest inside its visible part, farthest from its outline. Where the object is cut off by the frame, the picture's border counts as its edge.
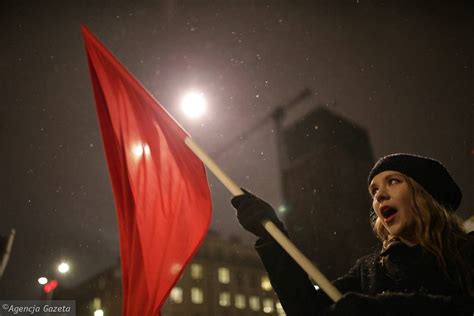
(324, 170)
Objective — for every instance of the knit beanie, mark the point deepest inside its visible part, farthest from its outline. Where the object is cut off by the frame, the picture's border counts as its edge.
(428, 172)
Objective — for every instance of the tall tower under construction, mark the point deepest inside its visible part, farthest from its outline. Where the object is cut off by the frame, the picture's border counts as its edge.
(324, 169)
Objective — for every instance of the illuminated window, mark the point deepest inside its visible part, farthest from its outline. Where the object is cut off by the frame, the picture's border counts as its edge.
(98, 312)
(280, 310)
(239, 301)
(176, 295)
(254, 303)
(268, 305)
(196, 295)
(196, 271)
(96, 303)
(224, 299)
(265, 283)
(223, 275)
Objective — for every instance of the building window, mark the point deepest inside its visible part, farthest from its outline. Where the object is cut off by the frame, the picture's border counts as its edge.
(223, 274)
(268, 305)
(176, 295)
(239, 301)
(98, 312)
(196, 271)
(265, 283)
(280, 310)
(224, 299)
(96, 303)
(196, 295)
(254, 303)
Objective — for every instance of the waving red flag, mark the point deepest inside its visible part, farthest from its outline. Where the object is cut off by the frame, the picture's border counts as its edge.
(160, 187)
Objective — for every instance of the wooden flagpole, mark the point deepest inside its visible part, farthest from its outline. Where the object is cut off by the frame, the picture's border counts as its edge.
(276, 233)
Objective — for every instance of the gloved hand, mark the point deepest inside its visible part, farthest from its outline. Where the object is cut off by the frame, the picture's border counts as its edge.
(354, 304)
(251, 211)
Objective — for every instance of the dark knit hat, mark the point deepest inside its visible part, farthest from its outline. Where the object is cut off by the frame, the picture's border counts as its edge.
(429, 173)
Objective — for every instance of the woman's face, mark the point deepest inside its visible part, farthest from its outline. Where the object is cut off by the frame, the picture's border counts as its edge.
(392, 201)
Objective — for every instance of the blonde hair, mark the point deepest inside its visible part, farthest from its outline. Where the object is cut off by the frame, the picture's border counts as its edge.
(437, 230)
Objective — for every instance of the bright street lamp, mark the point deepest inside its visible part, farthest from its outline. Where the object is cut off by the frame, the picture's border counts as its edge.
(63, 267)
(194, 104)
(42, 280)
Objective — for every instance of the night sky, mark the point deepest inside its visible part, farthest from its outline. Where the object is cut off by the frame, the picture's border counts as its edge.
(404, 72)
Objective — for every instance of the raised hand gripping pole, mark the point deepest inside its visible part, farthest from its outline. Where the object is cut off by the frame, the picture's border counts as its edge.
(284, 242)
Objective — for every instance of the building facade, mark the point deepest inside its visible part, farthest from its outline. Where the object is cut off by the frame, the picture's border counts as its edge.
(225, 277)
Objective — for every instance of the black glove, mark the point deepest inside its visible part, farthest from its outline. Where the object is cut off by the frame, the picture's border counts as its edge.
(355, 304)
(251, 211)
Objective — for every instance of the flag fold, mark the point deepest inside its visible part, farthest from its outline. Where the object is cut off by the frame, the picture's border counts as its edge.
(160, 187)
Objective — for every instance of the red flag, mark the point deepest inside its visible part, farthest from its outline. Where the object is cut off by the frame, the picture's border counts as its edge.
(160, 187)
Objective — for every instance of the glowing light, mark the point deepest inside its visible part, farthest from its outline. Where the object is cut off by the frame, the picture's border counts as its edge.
(267, 309)
(42, 280)
(282, 209)
(146, 149)
(176, 268)
(63, 267)
(139, 149)
(176, 295)
(268, 305)
(98, 312)
(194, 104)
(265, 283)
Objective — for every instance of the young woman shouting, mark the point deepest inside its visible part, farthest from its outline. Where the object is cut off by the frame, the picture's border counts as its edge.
(426, 261)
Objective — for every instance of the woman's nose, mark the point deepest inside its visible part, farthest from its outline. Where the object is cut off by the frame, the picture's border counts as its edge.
(381, 195)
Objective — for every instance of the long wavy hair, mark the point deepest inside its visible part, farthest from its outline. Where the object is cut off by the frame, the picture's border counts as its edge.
(437, 230)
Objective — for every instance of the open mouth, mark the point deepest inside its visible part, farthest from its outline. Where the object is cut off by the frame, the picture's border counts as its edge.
(389, 214)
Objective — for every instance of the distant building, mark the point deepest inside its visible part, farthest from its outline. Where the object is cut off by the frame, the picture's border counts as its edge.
(225, 277)
(325, 188)
(100, 292)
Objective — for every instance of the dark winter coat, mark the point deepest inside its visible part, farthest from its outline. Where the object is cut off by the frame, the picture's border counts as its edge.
(402, 280)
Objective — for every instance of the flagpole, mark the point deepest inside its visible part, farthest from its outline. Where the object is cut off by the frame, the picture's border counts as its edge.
(274, 231)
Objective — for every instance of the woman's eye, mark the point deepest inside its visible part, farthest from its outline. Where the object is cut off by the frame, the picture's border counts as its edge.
(374, 191)
(393, 181)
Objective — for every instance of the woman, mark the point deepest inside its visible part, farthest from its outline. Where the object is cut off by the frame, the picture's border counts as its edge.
(426, 262)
